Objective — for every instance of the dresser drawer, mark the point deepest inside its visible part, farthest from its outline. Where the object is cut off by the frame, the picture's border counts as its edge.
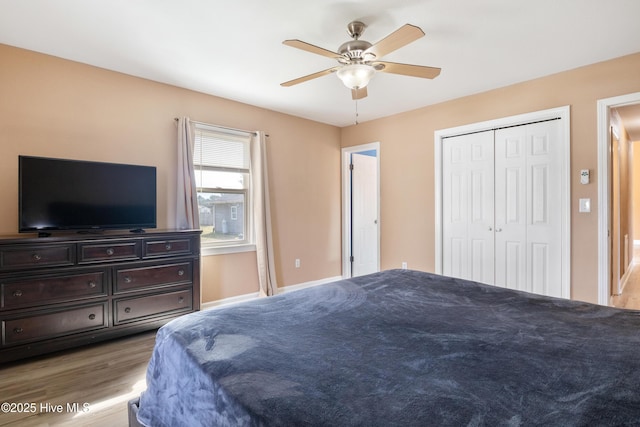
(132, 309)
(169, 247)
(130, 279)
(54, 324)
(36, 256)
(109, 251)
(35, 291)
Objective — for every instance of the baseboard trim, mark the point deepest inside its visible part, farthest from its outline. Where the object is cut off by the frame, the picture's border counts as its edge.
(626, 275)
(299, 286)
(228, 301)
(247, 297)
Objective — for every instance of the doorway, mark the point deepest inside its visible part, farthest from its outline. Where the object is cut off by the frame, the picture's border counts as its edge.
(361, 209)
(611, 241)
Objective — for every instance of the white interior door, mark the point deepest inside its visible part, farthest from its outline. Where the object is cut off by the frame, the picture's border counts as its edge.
(528, 221)
(467, 207)
(511, 208)
(364, 214)
(544, 219)
(501, 216)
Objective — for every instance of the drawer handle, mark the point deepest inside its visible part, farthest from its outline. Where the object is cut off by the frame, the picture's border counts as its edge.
(168, 246)
(36, 257)
(180, 300)
(92, 284)
(110, 251)
(127, 279)
(18, 330)
(92, 316)
(127, 310)
(181, 272)
(17, 293)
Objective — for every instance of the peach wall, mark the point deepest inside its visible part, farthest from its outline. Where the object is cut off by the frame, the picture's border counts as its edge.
(407, 217)
(635, 205)
(58, 108)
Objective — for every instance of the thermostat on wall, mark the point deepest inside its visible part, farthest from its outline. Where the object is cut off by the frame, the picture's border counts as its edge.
(584, 176)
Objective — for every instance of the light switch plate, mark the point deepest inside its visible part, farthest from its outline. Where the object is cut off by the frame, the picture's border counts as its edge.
(585, 205)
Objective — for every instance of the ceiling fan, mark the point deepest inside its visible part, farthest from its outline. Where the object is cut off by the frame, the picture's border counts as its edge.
(360, 60)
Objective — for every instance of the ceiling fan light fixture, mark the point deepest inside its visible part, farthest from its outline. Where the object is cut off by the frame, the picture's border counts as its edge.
(356, 76)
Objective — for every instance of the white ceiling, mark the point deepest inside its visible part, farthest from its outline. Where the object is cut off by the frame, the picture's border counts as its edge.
(234, 49)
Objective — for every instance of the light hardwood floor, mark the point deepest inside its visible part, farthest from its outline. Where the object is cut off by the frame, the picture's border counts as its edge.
(104, 376)
(630, 297)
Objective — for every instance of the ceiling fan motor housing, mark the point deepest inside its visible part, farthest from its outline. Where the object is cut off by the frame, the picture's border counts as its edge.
(354, 51)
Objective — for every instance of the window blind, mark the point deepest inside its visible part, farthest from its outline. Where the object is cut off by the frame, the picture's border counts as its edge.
(220, 150)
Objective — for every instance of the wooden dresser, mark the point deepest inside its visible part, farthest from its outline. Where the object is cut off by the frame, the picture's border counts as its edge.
(74, 289)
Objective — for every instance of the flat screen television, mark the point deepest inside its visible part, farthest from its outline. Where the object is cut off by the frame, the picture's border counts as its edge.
(60, 194)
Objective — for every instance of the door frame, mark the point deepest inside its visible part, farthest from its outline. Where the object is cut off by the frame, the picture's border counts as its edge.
(346, 203)
(604, 195)
(561, 112)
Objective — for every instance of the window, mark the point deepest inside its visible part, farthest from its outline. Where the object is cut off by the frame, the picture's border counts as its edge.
(222, 169)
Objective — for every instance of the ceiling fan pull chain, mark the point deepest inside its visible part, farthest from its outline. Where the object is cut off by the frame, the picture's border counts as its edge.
(356, 111)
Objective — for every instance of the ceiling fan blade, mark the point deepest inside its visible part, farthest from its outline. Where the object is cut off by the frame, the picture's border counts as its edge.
(358, 93)
(400, 37)
(309, 77)
(408, 70)
(311, 48)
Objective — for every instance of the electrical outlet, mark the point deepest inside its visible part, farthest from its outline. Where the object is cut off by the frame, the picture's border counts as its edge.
(297, 262)
(404, 265)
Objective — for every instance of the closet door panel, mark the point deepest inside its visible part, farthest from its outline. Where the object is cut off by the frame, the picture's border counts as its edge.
(455, 208)
(468, 190)
(544, 226)
(512, 267)
(540, 264)
(511, 208)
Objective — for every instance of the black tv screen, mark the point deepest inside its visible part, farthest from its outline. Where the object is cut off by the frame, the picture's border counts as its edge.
(60, 194)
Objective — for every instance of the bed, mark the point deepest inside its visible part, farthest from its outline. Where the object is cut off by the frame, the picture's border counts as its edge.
(397, 348)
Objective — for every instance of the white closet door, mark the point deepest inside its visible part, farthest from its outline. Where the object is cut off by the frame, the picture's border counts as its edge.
(468, 192)
(544, 218)
(528, 214)
(511, 208)
(364, 215)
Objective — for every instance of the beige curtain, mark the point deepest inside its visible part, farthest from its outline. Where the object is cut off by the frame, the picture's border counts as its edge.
(262, 216)
(187, 199)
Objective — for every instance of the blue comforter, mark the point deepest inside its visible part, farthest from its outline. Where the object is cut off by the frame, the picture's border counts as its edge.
(397, 348)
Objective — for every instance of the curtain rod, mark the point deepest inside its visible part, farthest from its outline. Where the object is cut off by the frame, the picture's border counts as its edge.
(222, 127)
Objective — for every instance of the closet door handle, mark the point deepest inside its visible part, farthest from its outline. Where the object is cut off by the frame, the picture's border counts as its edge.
(498, 230)
(490, 229)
